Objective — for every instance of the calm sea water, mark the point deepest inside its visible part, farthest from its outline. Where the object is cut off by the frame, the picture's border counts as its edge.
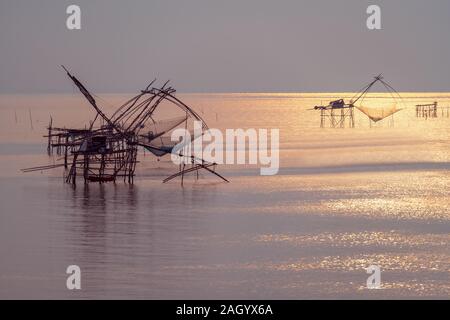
(344, 199)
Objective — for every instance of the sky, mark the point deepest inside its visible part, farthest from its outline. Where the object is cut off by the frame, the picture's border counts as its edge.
(224, 46)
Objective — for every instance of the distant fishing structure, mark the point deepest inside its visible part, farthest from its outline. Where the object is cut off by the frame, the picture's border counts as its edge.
(431, 110)
(108, 148)
(337, 113)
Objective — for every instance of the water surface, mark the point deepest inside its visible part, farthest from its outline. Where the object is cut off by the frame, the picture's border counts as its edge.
(343, 199)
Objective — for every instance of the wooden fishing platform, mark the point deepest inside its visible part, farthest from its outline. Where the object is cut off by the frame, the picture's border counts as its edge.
(431, 110)
(108, 149)
(336, 114)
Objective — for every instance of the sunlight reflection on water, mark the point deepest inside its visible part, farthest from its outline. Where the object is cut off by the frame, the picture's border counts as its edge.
(344, 199)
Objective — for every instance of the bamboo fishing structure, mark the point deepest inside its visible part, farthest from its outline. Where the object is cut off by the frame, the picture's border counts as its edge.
(108, 148)
(431, 110)
(338, 112)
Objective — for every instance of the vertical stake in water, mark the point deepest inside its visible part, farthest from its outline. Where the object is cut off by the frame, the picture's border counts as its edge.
(49, 145)
(184, 159)
(31, 119)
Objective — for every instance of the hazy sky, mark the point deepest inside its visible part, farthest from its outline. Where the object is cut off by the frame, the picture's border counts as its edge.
(224, 46)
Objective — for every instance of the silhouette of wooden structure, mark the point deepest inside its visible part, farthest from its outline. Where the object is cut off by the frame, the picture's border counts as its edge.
(431, 110)
(108, 149)
(336, 114)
